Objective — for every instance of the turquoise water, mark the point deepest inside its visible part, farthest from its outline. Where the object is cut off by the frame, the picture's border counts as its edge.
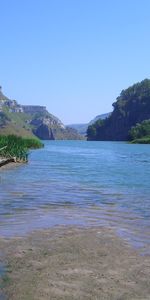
(83, 183)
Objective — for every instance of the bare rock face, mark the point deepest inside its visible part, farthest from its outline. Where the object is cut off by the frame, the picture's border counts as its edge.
(43, 132)
(33, 109)
(46, 132)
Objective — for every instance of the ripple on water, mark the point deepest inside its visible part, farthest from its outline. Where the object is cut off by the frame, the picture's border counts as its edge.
(71, 182)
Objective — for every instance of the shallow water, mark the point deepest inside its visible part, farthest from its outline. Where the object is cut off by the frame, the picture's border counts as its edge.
(83, 183)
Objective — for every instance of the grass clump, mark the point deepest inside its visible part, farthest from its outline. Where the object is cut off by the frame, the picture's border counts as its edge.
(32, 143)
(17, 147)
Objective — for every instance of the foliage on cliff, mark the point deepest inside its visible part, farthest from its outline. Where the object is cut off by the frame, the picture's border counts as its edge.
(141, 133)
(82, 127)
(31, 121)
(15, 123)
(131, 107)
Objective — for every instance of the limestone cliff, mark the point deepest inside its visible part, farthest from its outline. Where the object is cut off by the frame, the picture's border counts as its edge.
(28, 120)
(131, 107)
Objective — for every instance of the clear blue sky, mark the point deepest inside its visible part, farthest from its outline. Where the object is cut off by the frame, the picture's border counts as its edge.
(74, 56)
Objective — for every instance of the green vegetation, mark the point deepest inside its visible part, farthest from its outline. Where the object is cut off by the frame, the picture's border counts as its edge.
(82, 128)
(14, 146)
(3, 118)
(32, 143)
(144, 140)
(42, 125)
(132, 107)
(138, 91)
(12, 123)
(31, 121)
(5, 281)
(141, 133)
(92, 131)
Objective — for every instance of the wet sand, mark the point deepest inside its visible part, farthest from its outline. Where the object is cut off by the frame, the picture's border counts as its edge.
(10, 165)
(71, 263)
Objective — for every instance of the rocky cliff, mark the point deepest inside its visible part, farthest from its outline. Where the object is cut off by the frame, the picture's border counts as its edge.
(131, 107)
(27, 120)
(82, 128)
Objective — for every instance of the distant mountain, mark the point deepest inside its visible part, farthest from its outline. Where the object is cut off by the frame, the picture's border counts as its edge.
(82, 128)
(99, 117)
(30, 120)
(131, 107)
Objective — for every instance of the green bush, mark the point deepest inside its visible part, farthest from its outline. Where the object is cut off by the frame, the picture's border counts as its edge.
(140, 130)
(143, 140)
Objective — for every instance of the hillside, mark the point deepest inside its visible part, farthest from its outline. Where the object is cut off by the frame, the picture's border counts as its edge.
(30, 120)
(82, 128)
(130, 108)
(99, 117)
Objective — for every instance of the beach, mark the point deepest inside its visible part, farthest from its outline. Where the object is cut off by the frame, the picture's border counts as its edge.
(5, 162)
(74, 263)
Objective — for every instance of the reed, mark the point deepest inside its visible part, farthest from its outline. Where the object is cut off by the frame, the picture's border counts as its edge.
(17, 147)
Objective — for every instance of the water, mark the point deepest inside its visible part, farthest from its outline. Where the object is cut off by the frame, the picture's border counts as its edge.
(83, 183)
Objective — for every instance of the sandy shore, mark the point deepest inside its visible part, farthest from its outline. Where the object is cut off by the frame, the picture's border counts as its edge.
(73, 263)
(10, 165)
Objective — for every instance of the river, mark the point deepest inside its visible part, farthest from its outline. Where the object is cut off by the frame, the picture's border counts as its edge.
(80, 183)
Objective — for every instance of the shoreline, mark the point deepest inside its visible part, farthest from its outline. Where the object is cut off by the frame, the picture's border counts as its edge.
(74, 263)
(9, 165)
(6, 161)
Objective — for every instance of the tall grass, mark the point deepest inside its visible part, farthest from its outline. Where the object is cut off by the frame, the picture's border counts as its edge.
(12, 146)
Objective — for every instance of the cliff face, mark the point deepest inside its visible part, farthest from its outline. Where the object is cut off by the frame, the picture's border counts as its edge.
(43, 132)
(82, 128)
(48, 127)
(131, 107)
(33, 109)
(27, 120)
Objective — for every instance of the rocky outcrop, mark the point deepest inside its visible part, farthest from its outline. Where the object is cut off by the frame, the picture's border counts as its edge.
(82, 128)
(49, 129)
(31, 119)
(33, 109)
(131, 107)
(44, 132)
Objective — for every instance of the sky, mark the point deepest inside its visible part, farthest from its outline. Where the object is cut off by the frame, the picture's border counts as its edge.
(73, 56)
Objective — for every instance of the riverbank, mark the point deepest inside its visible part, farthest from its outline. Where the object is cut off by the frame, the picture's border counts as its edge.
(5, 161)
(8, 163)
(74, 263)
(15, 148)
